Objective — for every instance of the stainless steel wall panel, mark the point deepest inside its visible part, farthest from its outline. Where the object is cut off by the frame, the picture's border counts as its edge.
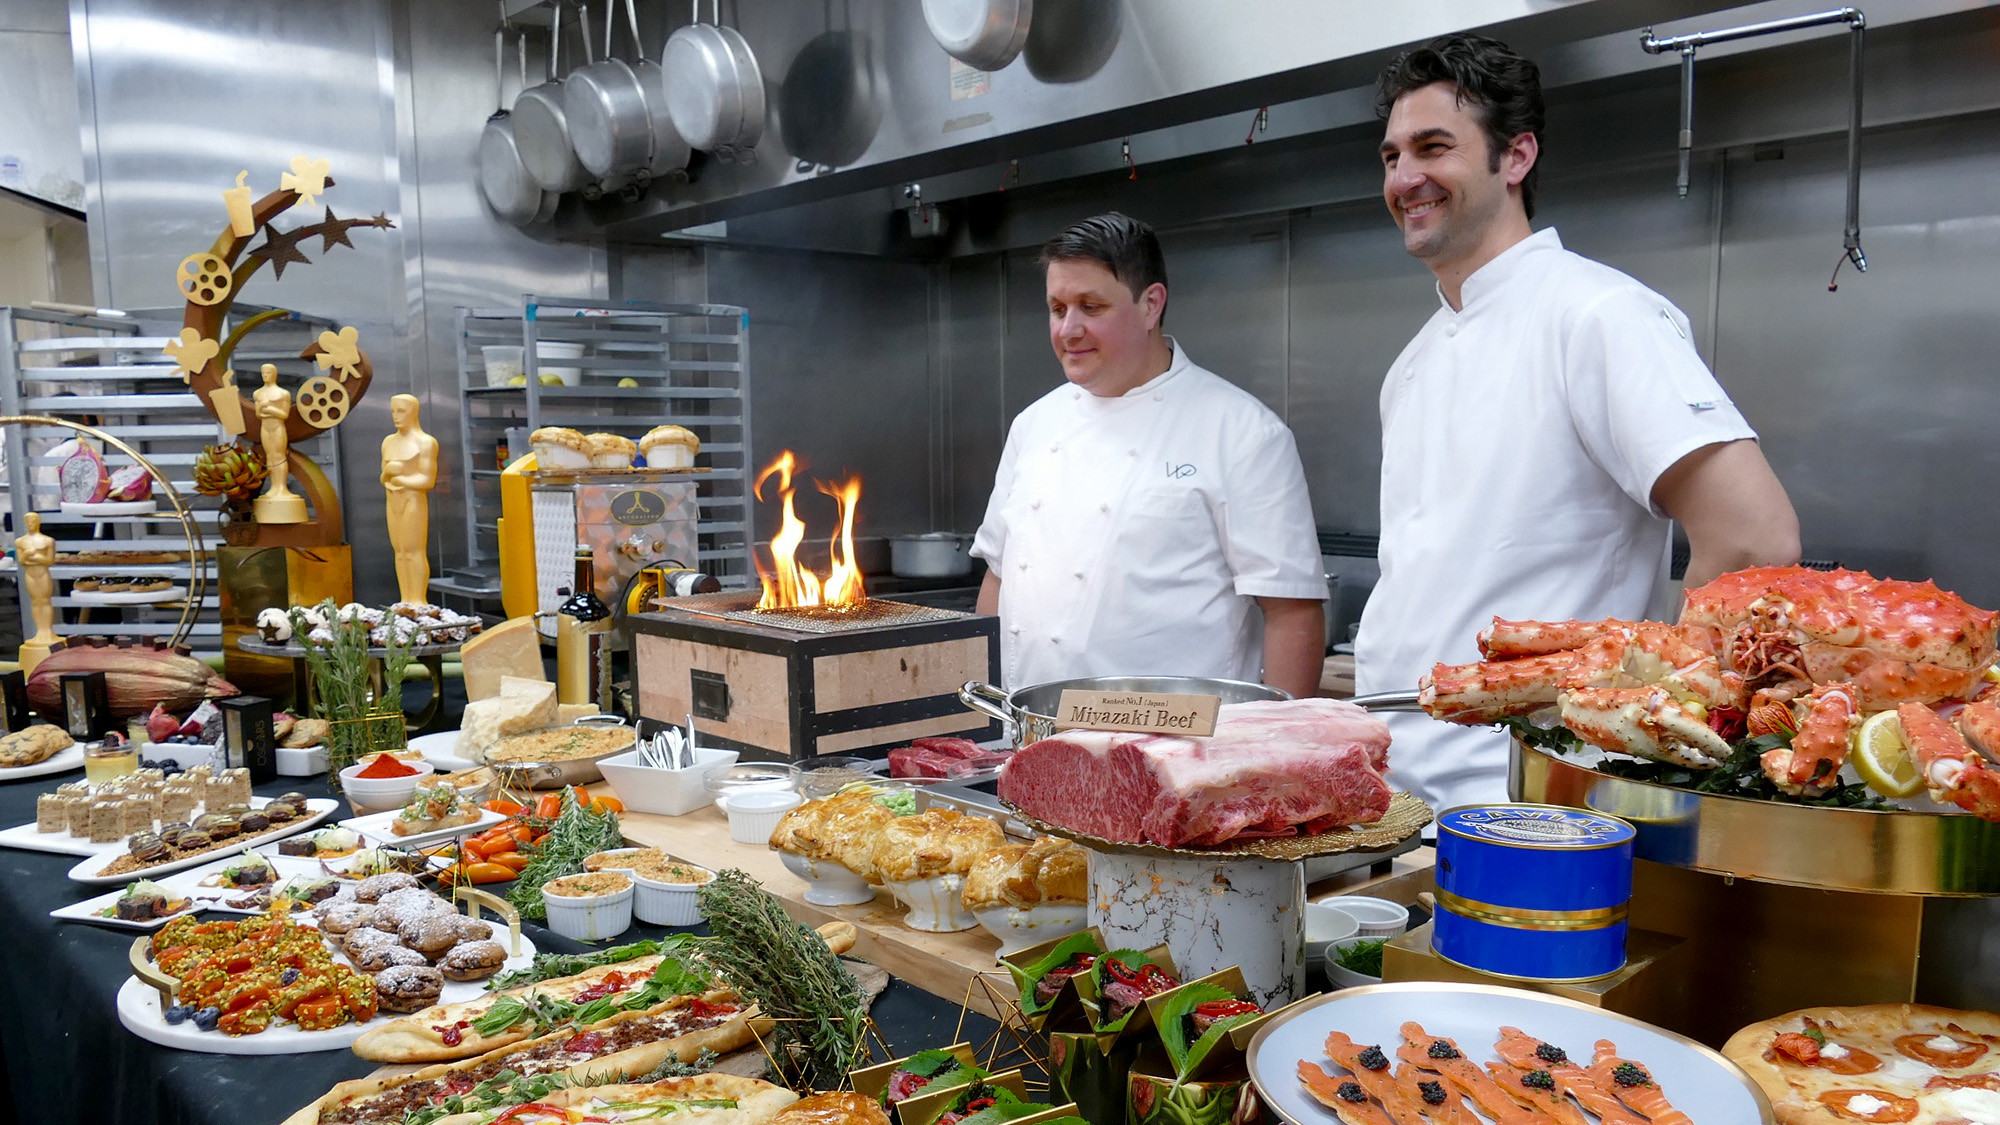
(40, 154)
(1225, 302)
(973, 354)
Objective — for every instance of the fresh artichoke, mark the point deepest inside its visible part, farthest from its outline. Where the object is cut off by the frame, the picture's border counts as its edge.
(234, 472)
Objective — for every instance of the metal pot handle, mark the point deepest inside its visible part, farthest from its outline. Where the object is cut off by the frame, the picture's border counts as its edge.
(987, 700)
(1384, 701)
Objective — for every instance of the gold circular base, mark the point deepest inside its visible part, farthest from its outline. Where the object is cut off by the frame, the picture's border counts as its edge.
(284, 507)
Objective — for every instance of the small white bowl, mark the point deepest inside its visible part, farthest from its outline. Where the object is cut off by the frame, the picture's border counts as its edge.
(1324, 926)
(828, 883)
(668, 904)
(301, 761)
(383, 792)
(666, 792)
(1019, 927)
(722, 780)
(592, 918)
(612, 859)
(936, 904)
(1375, 917)
(754, 813)
(1339, 975)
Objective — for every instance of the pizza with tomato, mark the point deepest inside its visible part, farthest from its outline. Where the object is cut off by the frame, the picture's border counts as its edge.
(444, 1032)
(1908, 1064)
(704, 1099)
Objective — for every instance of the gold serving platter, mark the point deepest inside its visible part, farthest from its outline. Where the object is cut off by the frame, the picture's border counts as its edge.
(1901, 852)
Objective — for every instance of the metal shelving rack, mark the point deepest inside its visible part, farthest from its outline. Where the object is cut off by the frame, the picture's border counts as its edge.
(692, 367)
(110, 372)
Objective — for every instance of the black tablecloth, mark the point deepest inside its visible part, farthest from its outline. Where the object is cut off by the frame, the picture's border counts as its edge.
(67, 1058)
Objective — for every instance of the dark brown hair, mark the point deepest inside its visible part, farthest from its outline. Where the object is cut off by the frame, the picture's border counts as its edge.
(1119, 243)
(1506, 88)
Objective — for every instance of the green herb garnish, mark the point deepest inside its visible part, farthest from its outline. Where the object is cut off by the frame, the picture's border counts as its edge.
(577, 834)
(672, 978)
(1364, 957)
(1740, 775)
(1816, 1035)
(548, 966)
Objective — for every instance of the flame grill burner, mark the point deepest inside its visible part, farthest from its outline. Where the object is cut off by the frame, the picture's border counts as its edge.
(870, 613)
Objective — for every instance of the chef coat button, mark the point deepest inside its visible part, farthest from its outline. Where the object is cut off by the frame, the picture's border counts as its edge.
(1022, 566)
(1036, 504)
(1131, 453)
(1016, 630)
(1451, 329)
(1079, 576)
(1104, 507)
(1055, 640)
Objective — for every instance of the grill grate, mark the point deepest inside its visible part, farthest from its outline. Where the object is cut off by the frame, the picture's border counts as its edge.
(871, 613)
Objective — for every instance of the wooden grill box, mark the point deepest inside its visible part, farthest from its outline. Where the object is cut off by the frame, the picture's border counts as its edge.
(776, 693)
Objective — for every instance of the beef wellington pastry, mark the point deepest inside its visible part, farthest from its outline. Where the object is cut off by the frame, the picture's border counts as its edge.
(924, 859)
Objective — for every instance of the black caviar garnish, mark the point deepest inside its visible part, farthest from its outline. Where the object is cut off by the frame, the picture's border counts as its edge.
(1351, 1092)
(1550, 1053)
(1538, 1080)
(1443, 1050)
(1373, 1058)
(1433, 1092)
(1630, 1074)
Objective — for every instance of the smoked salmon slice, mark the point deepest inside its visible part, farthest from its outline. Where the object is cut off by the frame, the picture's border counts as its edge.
(1371, 1070)
(1634, 1086)
(1429, 1052)
(1344, 1096)
(1440, 1102)
(1537, 1090)
(1524, 1052)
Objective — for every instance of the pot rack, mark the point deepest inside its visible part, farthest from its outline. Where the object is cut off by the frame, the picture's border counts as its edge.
(1687, 45)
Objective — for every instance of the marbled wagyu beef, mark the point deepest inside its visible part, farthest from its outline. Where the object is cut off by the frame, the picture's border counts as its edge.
(1270, 769)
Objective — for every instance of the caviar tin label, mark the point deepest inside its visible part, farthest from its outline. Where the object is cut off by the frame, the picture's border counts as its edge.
(1536, 826)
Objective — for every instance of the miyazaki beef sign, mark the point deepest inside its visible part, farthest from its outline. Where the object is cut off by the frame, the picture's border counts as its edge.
(786, 583)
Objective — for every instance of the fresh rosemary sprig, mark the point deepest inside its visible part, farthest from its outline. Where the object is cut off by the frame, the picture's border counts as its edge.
(788, 972)
(577, 834)
(547, 966)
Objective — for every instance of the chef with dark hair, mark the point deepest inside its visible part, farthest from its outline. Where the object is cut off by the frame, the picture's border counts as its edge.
(1148, 516)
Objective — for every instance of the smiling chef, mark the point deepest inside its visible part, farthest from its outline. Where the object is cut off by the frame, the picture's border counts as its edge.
(1148, 517)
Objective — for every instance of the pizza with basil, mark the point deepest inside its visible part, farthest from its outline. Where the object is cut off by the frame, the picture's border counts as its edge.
(444, 1032)
(1908, 1064)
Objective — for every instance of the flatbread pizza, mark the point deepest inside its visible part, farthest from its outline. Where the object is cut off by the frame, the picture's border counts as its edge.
(1911, 1064)
(611, 1050)
(444, 1032)
(705, 1099)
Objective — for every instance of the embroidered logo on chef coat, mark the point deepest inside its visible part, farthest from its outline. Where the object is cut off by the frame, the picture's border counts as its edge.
(1181, 471)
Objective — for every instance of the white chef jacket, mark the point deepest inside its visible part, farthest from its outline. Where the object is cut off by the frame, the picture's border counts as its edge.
(1131, 533)
(1521, 437)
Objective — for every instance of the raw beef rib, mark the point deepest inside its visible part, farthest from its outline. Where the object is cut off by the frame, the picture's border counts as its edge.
(1272, 768)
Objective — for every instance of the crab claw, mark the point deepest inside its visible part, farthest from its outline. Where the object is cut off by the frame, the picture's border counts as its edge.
(1811, 765)
(1648, 722)
(1953, 769)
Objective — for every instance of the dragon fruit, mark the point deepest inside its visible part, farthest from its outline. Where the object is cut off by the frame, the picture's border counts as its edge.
(130, 483)
(82, 478)
(161, 724)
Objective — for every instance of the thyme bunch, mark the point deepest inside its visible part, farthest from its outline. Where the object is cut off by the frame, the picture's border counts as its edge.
(577, 834)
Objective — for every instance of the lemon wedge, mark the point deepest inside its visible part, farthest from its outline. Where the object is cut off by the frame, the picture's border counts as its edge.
(1882, 757)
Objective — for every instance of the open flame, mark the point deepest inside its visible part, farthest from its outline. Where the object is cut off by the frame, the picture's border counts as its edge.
(786, 583)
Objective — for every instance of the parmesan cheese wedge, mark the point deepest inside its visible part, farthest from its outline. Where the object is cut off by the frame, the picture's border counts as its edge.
(522, 705)
(510, 648)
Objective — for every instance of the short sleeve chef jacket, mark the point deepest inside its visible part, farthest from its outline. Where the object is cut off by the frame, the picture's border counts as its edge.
(1521, 438)
(1130, 534)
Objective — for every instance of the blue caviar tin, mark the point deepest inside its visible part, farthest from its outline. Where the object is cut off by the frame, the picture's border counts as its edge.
(1533, 892)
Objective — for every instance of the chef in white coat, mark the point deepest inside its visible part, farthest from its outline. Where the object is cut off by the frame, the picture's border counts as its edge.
(1148, 517)
(1543, 427)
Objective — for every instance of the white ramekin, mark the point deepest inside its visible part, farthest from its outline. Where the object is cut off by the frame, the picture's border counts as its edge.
(591, 919)
(828, 883)
(754, 813)
(668, 904)
(1374, 917)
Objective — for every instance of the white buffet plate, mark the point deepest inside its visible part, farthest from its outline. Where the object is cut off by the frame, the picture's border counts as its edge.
(128, 597)
(109, 507)
(139, 1011)
(440, 748)
(376, 826)
(1700, 1083)
(68, 758)
(85, 872)
(87, 911)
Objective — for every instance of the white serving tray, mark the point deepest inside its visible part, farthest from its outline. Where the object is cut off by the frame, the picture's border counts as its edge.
(68, 758)
(85, 872)
(139, 1010)
(110, 508)
(128, 597)
(375, 826)
(440, 748)
(86, 911)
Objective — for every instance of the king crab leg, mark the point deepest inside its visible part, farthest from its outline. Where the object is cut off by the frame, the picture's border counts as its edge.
(1811, 766)
(1505, 640)
(1950, 757)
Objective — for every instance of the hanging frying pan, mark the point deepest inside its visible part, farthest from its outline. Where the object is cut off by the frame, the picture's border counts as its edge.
(830, 104)
(714, 91)
(669, 152)
(606, 109)
(541, 128)
(985, 34)
(509, 190)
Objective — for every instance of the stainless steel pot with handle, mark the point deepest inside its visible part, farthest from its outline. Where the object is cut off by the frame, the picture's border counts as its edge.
(507, 187)
(1030, 712)
(606, 109)
(541, 128)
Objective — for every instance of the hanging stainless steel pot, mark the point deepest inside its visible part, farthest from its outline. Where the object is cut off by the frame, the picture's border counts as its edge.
(606, 108)
(1030, 712)
(714, 89)
(506, 185)
(984, 34)
(541, 127)
(669, 151)
(830, 103)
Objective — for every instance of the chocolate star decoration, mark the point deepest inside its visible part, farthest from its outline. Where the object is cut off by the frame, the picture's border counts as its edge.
(280, 248)
(333, 232)
(381, 222)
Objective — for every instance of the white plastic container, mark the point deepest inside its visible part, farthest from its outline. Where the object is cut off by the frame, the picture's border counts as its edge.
(668, 904)
(546, 350)
(593, 917)
(301, 761)
(503, 364)
(666, 792)
(754, 813)
(1373, 917)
